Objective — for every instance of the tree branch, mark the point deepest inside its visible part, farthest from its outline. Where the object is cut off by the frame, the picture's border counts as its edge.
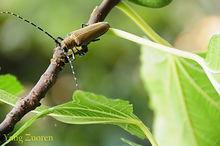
(32, 100)
(47, 80)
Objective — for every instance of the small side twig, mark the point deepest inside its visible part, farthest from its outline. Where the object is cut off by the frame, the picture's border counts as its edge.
(47, 80)
(100, 12)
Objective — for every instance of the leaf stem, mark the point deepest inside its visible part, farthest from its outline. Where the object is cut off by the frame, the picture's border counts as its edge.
(142, 24)
(209, 72)
(147, 133)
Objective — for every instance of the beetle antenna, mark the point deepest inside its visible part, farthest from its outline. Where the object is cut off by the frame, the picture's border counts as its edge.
(33, 24)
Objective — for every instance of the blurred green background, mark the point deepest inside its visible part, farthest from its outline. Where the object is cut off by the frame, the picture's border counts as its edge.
(110, 68)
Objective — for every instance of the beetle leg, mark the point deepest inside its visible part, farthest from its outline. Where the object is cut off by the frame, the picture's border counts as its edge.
(78, 51)
(84, 25)
(84, 49)
(58, 41)
(73, 55)
(97, 39)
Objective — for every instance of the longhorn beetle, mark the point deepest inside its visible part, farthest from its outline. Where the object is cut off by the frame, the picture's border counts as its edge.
(76, 41)
(82, 37)
(79, 38)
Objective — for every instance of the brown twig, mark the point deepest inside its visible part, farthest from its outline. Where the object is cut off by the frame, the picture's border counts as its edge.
(32, 100)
